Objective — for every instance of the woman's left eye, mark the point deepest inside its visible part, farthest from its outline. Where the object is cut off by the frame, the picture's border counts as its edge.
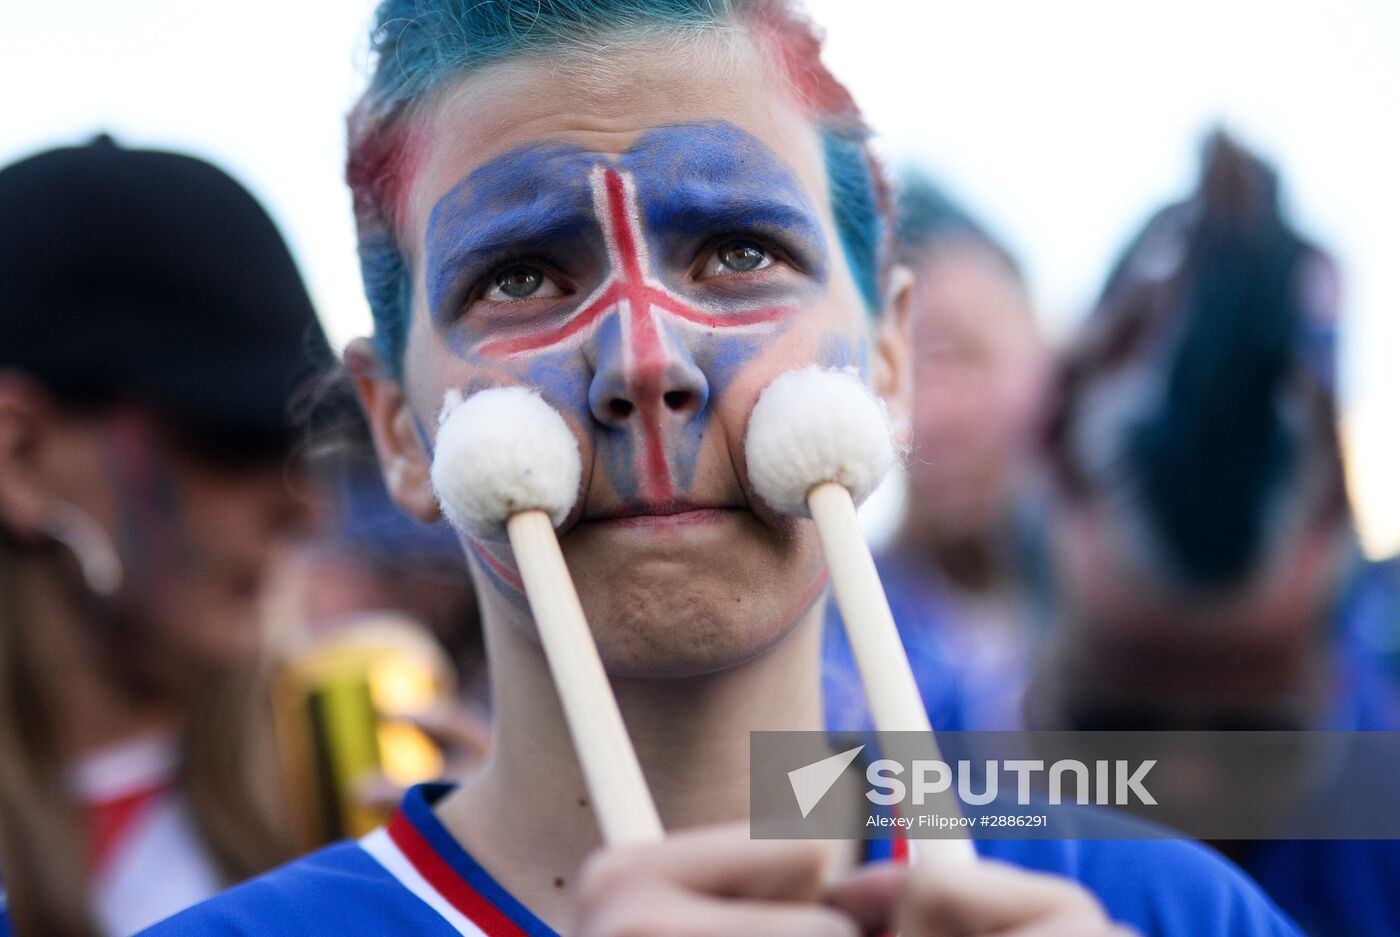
(737, 256)
(522, 281)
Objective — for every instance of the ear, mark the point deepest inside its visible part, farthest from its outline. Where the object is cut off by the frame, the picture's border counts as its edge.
(403, 457)
(891, 369)
(26, 420)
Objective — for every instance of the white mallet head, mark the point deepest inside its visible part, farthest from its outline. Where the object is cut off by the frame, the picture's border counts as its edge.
(812, 426)
(500, 452)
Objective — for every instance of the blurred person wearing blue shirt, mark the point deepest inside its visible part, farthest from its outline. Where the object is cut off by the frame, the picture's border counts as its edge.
(1206, 571)
(955, 572)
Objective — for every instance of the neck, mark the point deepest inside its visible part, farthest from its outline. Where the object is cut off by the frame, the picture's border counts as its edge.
(91, 706)
(526, 814)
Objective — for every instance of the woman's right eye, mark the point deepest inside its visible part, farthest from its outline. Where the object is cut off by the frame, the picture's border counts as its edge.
(521, 281)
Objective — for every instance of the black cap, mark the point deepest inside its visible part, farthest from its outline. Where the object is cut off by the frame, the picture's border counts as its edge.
(152, 276)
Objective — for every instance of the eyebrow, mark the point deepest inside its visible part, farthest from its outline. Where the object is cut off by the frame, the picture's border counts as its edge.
(689, 210)
(513, 204)
(703, 177)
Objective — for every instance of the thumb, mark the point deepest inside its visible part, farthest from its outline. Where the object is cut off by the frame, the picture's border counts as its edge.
(869, 895)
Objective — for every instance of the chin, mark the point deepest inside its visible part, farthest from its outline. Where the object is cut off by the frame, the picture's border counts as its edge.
(665, 629)
(664, 615)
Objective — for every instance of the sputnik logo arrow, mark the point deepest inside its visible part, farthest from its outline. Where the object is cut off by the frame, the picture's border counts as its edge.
(811, 782)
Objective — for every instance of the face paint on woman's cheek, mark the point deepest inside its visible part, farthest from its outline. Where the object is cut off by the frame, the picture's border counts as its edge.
(561, 382)
(500, 571)
(839, 351)
(815, 587)
(635, 366)
(648, 393)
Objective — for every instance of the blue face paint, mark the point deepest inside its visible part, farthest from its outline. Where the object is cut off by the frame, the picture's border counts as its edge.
(637, 343)
(838, 352)
(531, 201)
(698, 180)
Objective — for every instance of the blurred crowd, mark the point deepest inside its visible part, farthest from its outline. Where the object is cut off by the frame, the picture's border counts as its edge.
(222, 645)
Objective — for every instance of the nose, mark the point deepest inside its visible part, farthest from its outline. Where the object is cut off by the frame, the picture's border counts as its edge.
(646, 378)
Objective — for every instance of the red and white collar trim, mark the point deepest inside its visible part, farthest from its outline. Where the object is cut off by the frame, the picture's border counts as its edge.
(133, 766)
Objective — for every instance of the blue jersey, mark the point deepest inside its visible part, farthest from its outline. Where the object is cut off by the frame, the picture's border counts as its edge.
(411, 878)
(1334, 888)
(1341, 888)
(971, 667)
(923, 618)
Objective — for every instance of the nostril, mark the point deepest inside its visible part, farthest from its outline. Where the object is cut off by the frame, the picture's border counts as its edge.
(677, 399)
(620, 409)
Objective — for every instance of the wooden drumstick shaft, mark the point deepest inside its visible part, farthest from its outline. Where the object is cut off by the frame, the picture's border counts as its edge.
(890, 690)
(621, 800)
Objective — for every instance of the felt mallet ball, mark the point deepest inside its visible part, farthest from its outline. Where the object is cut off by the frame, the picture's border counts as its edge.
(500, 452)
(812, 426)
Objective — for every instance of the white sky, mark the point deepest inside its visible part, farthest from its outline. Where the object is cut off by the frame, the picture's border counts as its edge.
(1062, 124)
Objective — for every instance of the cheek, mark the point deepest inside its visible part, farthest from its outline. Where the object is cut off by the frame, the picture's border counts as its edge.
(439, 362)
(742, 368)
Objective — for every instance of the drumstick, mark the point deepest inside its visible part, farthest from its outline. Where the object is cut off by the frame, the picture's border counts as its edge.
(818, 443)
(505, 460)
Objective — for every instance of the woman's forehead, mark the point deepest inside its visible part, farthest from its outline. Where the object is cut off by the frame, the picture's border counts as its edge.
(633, 96)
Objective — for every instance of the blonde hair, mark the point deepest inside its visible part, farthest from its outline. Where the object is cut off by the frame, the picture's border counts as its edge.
(227, 774)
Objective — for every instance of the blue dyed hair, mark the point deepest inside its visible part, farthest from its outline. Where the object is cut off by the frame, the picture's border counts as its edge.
(421, 44)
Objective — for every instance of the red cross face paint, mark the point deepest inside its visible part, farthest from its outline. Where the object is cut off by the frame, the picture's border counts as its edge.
(648, 390)
(648, 262)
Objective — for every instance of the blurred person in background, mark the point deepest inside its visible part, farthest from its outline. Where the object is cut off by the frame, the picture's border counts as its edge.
(953, 573)
(153, 328)
(366, 555)
(379, 599)
(1206, 569)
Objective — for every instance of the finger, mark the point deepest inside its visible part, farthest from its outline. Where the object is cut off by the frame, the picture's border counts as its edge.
(869, 895)
(989, 896)
(717, 861)
(656, 910)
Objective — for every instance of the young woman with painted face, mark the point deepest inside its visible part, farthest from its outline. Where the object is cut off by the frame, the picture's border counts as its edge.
(152, 327)
(646, 211)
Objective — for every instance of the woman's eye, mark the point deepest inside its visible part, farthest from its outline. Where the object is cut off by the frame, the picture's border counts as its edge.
(736, 257)
(522, 281)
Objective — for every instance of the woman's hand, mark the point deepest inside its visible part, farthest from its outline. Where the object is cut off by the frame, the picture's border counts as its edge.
(987, 898)
(719, 882)
(713, 881)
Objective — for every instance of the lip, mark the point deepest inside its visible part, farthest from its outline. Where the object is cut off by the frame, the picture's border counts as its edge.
(670, 514)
